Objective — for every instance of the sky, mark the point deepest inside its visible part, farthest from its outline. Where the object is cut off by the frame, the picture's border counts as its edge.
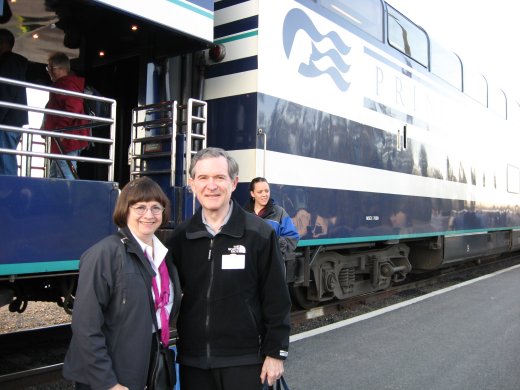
(484, 34)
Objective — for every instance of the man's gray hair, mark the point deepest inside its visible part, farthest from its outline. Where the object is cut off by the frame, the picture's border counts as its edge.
(59, 60)
(214, 153)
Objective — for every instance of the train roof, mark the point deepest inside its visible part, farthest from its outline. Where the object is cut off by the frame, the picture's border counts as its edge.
(42, 27)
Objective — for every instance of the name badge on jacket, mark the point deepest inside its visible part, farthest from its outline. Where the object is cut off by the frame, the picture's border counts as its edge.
(233, 261)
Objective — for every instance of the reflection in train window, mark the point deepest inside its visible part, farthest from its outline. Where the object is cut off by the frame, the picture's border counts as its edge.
(497, 102)
(407, 37)
(446, 64)
(364, 14)
(475, 85)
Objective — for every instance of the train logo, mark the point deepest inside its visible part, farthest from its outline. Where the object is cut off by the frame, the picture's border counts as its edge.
(295, 21)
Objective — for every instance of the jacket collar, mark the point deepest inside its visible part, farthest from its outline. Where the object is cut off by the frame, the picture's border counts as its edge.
(268, 209)
(132, 246)
(235, 226)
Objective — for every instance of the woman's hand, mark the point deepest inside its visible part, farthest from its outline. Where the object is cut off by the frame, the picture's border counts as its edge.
(119, 387)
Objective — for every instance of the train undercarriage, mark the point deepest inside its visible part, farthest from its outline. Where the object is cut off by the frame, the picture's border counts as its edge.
(314, 274)
(325, 273)
(56, 288)
(339, 272)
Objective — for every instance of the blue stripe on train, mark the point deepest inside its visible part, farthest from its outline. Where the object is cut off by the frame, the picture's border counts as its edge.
(227, 3)
(330, 216)
(231, 67)
(236, 27)
(304, 131)
(188, 4)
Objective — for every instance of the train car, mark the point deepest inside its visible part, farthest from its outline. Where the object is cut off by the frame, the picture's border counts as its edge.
(389, 153)
(372, 136)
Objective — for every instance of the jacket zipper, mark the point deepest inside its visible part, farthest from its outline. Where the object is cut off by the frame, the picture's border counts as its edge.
(208, 293)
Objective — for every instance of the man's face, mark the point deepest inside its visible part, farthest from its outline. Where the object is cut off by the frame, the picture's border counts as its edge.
(51, 69)
(56, 72)
(212, 184)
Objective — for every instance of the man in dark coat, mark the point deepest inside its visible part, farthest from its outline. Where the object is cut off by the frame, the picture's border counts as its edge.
(12, 66)
(234, 321)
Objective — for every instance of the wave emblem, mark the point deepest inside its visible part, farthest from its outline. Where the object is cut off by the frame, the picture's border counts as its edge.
(295, 21)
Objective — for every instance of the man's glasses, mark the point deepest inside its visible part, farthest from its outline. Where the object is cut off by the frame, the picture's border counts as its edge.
(47, 68)
(141, 210)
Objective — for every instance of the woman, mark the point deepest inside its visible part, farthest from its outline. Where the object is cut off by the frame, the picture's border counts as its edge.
(112, 323)
(262, 205)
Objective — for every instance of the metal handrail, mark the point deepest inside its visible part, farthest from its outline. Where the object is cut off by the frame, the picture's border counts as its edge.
(94, 121)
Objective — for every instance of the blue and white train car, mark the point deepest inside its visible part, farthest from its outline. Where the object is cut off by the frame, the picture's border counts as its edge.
(361, 125)
(389, 153)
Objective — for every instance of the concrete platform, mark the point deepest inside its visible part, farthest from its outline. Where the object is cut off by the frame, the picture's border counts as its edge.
(463, 337)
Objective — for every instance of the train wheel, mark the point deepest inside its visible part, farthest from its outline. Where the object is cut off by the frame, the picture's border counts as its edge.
(18, 305)
(68, 301)
(299, 297)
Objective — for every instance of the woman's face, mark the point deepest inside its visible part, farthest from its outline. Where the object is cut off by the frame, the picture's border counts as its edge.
(261, 193)
(144, 218)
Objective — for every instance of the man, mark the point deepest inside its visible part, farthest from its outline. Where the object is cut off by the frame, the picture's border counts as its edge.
(12, 66)
(234, 319)
(61, 76)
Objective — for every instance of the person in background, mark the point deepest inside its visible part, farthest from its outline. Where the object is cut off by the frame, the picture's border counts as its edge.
(59, 71)
(263, 205)
(234, 321)
(12, 66)
(112, 323)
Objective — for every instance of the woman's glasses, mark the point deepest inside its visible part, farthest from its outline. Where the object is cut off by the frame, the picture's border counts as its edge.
(141, 210)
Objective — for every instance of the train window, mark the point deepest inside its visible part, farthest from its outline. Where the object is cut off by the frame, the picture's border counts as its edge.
(475, 85)
(365, 14)
(446, 64)
(407, 37)
(513, 111)
(498, 102)
(513, 179)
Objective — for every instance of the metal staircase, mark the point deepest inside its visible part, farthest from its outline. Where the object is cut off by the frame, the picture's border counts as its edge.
(160, 132)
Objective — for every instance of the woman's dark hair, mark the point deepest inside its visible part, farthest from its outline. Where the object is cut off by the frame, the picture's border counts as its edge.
(143, 189)
(256, 180)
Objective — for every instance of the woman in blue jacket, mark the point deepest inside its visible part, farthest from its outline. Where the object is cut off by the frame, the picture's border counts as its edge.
(262, 205)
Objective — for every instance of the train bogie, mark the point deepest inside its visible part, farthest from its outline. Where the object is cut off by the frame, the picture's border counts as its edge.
(340, 273)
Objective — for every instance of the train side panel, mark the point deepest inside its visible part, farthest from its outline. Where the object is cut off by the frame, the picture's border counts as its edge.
(49, 223)
(367, 143)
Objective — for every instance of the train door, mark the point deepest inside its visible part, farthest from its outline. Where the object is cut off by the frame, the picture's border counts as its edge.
(135, 55)
(120, 81)
(168, 127)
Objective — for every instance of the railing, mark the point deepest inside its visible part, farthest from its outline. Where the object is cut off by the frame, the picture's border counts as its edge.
(168, 119)
(94, 121)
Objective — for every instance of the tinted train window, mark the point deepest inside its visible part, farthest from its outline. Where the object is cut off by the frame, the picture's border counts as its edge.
(446, 64)
(513, 179)
(513, 111)
(365, 14)
(407, 37)
(497, 102)
(475, 85)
